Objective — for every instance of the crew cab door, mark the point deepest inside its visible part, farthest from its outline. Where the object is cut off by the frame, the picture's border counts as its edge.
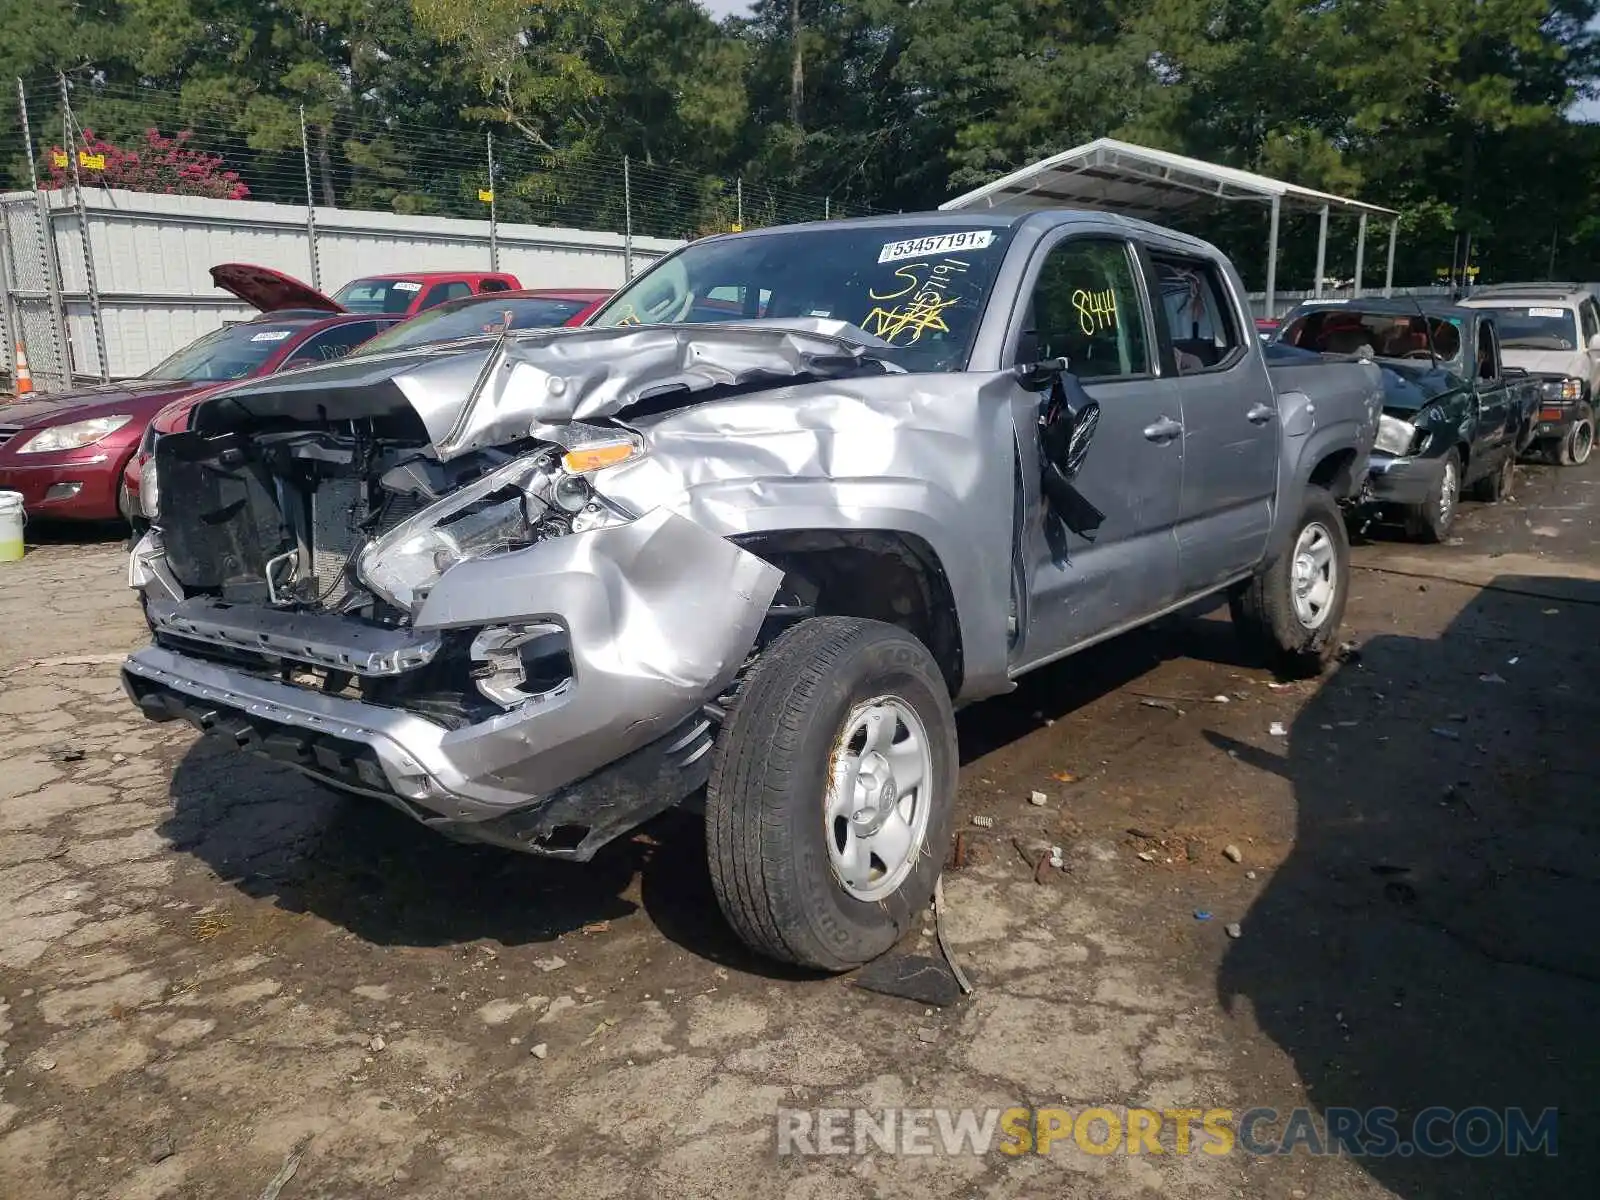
(1087, 302)
(1496, 423)
(1231, 438)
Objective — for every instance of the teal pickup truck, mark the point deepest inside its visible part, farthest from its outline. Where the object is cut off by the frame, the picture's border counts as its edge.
(1455, 418)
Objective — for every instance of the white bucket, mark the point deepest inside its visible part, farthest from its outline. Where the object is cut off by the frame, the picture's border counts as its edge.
(12, 519)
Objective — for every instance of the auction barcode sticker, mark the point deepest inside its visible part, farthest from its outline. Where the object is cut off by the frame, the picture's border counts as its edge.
(407, 285)
(944, 243)
(271, 335)
(1557, 313)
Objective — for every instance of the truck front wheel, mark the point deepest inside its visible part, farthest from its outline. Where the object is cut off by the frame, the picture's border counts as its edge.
(832, 794)
(1291, 610)
(1576, 447)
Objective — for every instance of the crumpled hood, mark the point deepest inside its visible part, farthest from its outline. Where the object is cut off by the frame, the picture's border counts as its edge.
(1547, 362)
(142, 398)
(482, 396)
(1408, 386)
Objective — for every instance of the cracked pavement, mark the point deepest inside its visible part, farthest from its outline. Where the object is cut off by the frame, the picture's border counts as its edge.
(210, 968)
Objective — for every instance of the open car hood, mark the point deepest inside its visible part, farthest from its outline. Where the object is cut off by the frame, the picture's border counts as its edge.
(270, 290)
(469, 398)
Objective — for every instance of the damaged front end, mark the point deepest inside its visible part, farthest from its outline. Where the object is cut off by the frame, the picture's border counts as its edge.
(478, 637)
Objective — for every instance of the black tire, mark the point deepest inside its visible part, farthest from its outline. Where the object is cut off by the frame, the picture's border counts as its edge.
(1432, 520)
(1496, 486)
(1578, 445)
(1265, 611)
(766, 829)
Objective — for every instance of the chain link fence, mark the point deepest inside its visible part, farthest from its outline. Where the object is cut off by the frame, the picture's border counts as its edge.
(263, 148)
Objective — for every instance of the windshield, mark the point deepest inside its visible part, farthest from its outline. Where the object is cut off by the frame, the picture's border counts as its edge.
(377, 295)
(478, 317)
(1536, 328)
(232, 352)
(1377, 334)
(921, 288)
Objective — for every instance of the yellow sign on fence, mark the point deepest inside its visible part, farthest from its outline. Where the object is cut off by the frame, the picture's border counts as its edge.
(486, 195)
(91, 162)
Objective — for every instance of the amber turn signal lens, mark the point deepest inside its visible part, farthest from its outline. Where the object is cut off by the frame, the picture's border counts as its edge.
(595, 458)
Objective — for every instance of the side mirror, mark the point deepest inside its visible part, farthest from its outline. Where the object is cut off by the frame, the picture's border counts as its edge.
(1516, 372)
(1594, 343)
(1040, 376)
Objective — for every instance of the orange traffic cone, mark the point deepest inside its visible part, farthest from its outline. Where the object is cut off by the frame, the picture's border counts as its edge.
(24, 376)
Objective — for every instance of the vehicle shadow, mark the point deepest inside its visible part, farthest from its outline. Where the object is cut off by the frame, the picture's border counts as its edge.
(1430, 939)
(41, 532)
(274, 835)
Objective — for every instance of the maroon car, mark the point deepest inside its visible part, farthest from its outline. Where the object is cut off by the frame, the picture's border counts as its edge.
(66, 453)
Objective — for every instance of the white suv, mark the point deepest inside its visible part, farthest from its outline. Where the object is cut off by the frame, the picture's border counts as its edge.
(1552, 331)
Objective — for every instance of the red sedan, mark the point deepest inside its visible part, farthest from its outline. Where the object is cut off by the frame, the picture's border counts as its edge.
(467, 317)
(67, 453)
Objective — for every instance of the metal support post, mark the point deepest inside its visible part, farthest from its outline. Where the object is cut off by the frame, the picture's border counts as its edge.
(494, 227)
(1388, 278)
(311, 205)
(1361, 251)
(1272, 261)
(1322, 252)
(627, 218)
(68, 122)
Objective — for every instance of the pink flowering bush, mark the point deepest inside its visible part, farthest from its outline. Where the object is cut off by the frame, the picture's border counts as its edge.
(162, 164)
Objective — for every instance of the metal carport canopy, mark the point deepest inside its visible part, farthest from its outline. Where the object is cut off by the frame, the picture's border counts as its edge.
(1122, 177)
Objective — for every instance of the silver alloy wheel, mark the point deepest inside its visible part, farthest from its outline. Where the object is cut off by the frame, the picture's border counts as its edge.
(1582, 442)
(1314, 575)
(879, 798)
(1449, 491)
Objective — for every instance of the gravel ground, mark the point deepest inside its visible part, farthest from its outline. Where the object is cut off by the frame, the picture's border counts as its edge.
(213, 974)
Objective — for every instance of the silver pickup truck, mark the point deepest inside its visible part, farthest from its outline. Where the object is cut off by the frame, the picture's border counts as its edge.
(748, 540)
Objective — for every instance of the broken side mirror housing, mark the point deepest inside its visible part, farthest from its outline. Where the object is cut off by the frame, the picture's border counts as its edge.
(1040, 376)
(1067, 427)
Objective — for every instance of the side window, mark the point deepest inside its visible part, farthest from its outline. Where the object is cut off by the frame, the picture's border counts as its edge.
(1590, 318)
(1201, 321)
(1486, 354)
(331, 344)
(493, 285)
(1086, 308)
(440, 292)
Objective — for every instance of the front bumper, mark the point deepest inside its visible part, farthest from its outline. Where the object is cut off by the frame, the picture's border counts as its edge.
(660, 616)
(81, 490)
(1402, 480)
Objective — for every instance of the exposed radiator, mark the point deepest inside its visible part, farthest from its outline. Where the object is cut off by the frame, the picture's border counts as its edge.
(338, 510)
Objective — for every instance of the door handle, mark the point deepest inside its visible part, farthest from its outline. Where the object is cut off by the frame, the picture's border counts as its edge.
(1164, 430)
(1260, 414)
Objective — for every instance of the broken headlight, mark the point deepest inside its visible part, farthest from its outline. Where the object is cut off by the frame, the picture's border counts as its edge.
(1395, 436)
(499, 512)
(509, 509)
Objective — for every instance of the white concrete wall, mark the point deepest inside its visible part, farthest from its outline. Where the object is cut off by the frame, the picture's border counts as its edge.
(152, 254)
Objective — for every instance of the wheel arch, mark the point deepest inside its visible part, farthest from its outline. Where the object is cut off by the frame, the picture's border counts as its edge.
(889, 575)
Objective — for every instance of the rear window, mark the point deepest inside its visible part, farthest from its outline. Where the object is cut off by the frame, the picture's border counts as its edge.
(479, 316)
(1536, 327)
(1348, 330)
(378, 295)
